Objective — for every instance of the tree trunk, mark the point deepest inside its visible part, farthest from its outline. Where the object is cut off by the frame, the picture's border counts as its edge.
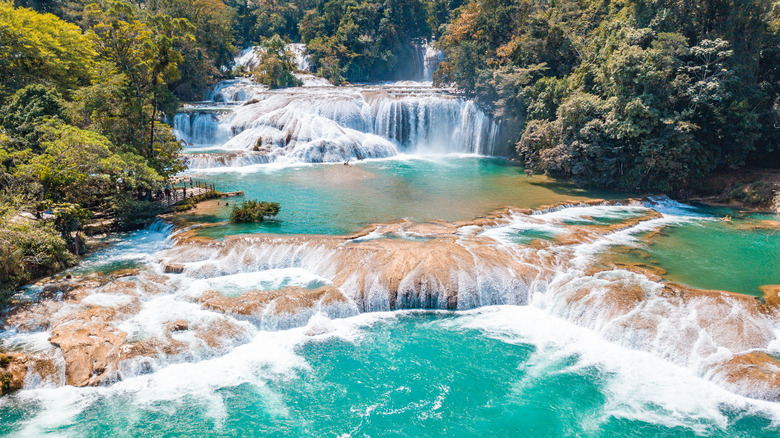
(151, 134)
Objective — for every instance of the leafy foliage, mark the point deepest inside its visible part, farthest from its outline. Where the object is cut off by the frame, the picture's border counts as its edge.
(40, 48)
(275, 65)
(363, 41)
(253, 211)
(632, 95)
(131, 214)
(27, 111)
(79, 166)
(28, 249)
(146, 52)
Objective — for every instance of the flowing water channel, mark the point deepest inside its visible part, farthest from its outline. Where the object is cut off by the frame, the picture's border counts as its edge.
(428, 288)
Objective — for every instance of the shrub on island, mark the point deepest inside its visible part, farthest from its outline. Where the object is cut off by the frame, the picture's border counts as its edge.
(253, 211)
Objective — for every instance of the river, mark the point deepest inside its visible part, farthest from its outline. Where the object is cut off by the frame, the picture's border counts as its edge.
(428, 287)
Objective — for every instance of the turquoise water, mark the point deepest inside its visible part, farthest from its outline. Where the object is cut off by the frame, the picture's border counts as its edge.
(126, 250)
(736, 256)
(338, 199)
(496, 372)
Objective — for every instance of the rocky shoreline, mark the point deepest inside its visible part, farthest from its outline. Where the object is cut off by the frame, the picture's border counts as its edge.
(753, 191)
(400, 265)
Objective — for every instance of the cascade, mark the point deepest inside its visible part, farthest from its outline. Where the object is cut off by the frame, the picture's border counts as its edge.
(421, 61)
(226, 291)
(235, 90)
(248, 58)
(201, 127)
(433, 57)
(319, 123)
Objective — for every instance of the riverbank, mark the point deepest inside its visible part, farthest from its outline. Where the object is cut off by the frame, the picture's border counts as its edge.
(389, 266)
(33, 249)
(749, 190)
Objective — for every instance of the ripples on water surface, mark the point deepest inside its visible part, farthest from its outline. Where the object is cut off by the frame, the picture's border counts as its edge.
(338, 199)
(494, 371)
(502, 371)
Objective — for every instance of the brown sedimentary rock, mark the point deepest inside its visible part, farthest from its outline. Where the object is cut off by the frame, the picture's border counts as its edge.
(293, 300)
(16, 368)
(152, 348)
(754, 374)
(125, 273)
(576, 234)
(220, 332)
(124, 287)
(735, 321)
(289, 300)
(771, 296)
(174, 269)
(32, 317)
(433, 264)
(13, 370)
(614, 299)
(178, 326)
(76, 295)
(89, 342)
(249, 303)
(90, 350)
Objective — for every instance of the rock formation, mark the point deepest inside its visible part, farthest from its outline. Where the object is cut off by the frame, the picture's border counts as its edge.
(400, 265)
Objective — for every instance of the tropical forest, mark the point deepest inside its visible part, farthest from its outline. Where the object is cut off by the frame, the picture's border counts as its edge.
(390, 218)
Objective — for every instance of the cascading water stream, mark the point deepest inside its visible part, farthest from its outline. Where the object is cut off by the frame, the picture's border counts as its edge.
(198, 321)
(212, 308)
(316, 123)
(312, 125)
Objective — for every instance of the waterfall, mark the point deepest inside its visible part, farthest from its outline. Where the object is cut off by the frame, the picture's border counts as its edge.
(432, 57)
(235, 90)
(301, 59)
(197, 127)
(227, 291)
(339, 123)
(319, 123)
(248, 58)
(423, 60)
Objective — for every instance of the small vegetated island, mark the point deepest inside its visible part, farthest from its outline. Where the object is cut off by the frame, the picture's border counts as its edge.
(253, 211)
(635, 95)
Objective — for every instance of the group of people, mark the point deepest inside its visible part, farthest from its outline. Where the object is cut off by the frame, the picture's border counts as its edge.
(171, 192)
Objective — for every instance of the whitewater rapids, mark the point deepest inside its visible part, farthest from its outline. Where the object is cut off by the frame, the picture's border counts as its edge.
(226, 291)
(336, 124)
(244, 123)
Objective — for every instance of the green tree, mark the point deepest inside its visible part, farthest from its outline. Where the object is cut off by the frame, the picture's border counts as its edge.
(26, 112)
(211, 48)
(41, 48)
(366, 40)
(253, 211)
(276, 64)
(144, 48)
(633, 95)
(28, 249)
(79, 167)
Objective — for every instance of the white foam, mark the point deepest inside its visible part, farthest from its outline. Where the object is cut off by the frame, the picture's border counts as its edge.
(520, 224)
(336, 124)
(138, 247)
(267, 357)
(640, 385)
(107, 300)
(637, 385)
(272, 279)
(158, 311)
(669, 207)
